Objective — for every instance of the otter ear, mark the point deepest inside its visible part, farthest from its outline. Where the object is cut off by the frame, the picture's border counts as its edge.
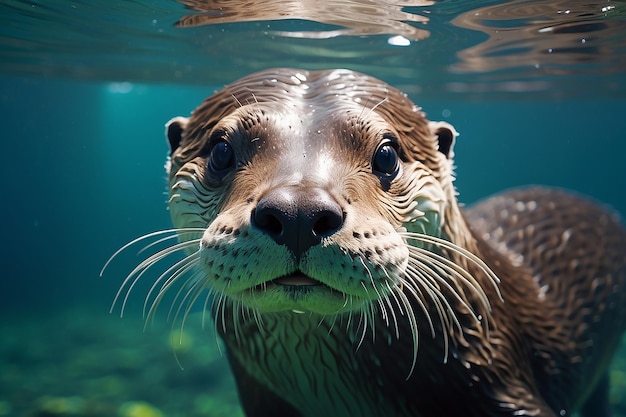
(446, 134)
(174, 131)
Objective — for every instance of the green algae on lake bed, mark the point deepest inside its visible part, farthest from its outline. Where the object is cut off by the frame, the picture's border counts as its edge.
(91, 364)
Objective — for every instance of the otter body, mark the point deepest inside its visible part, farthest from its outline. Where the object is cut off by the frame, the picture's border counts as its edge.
(318, 213)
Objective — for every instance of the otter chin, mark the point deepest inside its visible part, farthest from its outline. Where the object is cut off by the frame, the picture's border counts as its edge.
(319, 224)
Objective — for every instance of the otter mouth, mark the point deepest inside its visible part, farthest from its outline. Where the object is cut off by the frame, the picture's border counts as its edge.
(296, 279)
(296, 292)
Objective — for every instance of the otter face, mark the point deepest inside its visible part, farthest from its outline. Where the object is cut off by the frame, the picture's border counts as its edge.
(305, 184)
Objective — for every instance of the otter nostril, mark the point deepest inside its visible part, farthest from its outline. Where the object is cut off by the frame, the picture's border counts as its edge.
(268, 220)
(327, 222)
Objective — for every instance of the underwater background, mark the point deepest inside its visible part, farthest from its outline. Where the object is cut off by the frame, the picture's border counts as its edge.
(85, 92)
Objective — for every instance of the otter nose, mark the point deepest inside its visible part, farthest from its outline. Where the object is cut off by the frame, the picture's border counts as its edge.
(298, 217)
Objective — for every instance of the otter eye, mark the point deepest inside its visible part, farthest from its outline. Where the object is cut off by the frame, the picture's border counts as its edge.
(385, 159)
(222, 157)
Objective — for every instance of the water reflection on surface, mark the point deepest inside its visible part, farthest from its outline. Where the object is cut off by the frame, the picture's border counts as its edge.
(467, 49)
(556, 38)
(355, 17)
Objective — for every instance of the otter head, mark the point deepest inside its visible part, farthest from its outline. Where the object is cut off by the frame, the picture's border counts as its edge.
(306, 187)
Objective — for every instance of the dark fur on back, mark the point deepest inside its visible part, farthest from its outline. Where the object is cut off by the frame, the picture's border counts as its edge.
(575, 251)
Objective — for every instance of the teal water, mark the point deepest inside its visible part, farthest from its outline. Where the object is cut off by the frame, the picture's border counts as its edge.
(84, 149)
(84, 170)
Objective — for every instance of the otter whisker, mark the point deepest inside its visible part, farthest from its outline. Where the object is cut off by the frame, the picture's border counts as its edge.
(392, 291)
(427, 277)
(188, 305)
(442, 270)
(239, 312)
(164, 239)
(169, 283)
(364, 320)
(355, 329)
(455, 272)
(369, 273)
(458, 271)
(215, 306)
(172, 273)
(365, 288)
(454, 269)
(177, 231)
(371, 315)
(156, 302)
(346, 301)
(393, 313)
(333, 321)
(383, 311)
(216, 298)
(134, 276)
(363, 108)
(246, 313)
(395, 295)
(434, 278)
(235, 316)
(350, 328)
(237, 100)
(371, 110)
(205, 305)
(379, 297)
(445, 311)
(413, 325)
(492, 277)
(220, 311)
(258, 319)
(323, 319)
(442, 307)
(349, 321)
(418, 297)
(194, 290)
(370, 305)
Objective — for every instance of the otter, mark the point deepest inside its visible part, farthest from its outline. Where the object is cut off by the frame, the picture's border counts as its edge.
(320, 226)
